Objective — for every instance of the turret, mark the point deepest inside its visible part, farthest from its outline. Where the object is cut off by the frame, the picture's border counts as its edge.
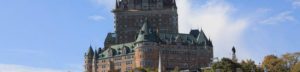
(89, 60)
(95, 61)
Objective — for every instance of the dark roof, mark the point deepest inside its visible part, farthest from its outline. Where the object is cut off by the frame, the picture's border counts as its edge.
(111, 38)
(90, 52)
(195, 32)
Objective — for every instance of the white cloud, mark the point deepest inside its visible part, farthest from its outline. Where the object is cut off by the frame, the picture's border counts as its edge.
(296, 3)
(107, 3)
(263, 10)
(281, 17)
(21, 68)
(96, 17)
(216, 20)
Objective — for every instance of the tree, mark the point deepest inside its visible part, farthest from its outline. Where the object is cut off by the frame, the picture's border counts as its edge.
(226, 65)
(290, 59)
(139, 69)
(148, 69)
(248, 66)
(274, 64)
(296, 67)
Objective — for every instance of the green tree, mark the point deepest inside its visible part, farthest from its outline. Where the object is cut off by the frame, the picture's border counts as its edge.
(226, 65)
(208, 70)
(259, 69)
(274, 64)
(248, 66)
(148, 69)
(296, 67)
(290, 60)
(139, 69)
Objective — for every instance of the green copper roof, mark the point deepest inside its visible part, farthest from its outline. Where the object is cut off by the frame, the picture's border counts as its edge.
(177, 38)
(147, 34)
(201, 37)
(118, 50)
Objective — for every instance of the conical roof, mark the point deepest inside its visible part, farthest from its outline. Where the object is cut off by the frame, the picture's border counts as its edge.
(147, 34)
(90, 51)
(201, 37)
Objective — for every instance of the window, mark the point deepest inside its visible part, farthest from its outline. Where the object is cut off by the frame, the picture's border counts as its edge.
(118, 64)
(128, 62)
(128, 57)
(103, 66)
(118, 58)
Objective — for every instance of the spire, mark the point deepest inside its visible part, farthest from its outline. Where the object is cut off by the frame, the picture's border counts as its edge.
(90, 51)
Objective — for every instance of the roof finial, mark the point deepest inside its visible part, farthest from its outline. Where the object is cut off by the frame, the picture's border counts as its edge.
(201, 29)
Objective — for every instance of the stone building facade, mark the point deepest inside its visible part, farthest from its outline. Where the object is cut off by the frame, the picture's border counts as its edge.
(144, 31)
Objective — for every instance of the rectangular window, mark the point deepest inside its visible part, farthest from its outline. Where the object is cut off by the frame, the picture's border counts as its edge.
(128, 62)
(103, 66)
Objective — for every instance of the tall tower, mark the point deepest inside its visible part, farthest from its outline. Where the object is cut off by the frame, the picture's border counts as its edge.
(131, 14)
(88, 59)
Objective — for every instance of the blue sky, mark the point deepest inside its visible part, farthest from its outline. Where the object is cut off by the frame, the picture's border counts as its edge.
(52, 35)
